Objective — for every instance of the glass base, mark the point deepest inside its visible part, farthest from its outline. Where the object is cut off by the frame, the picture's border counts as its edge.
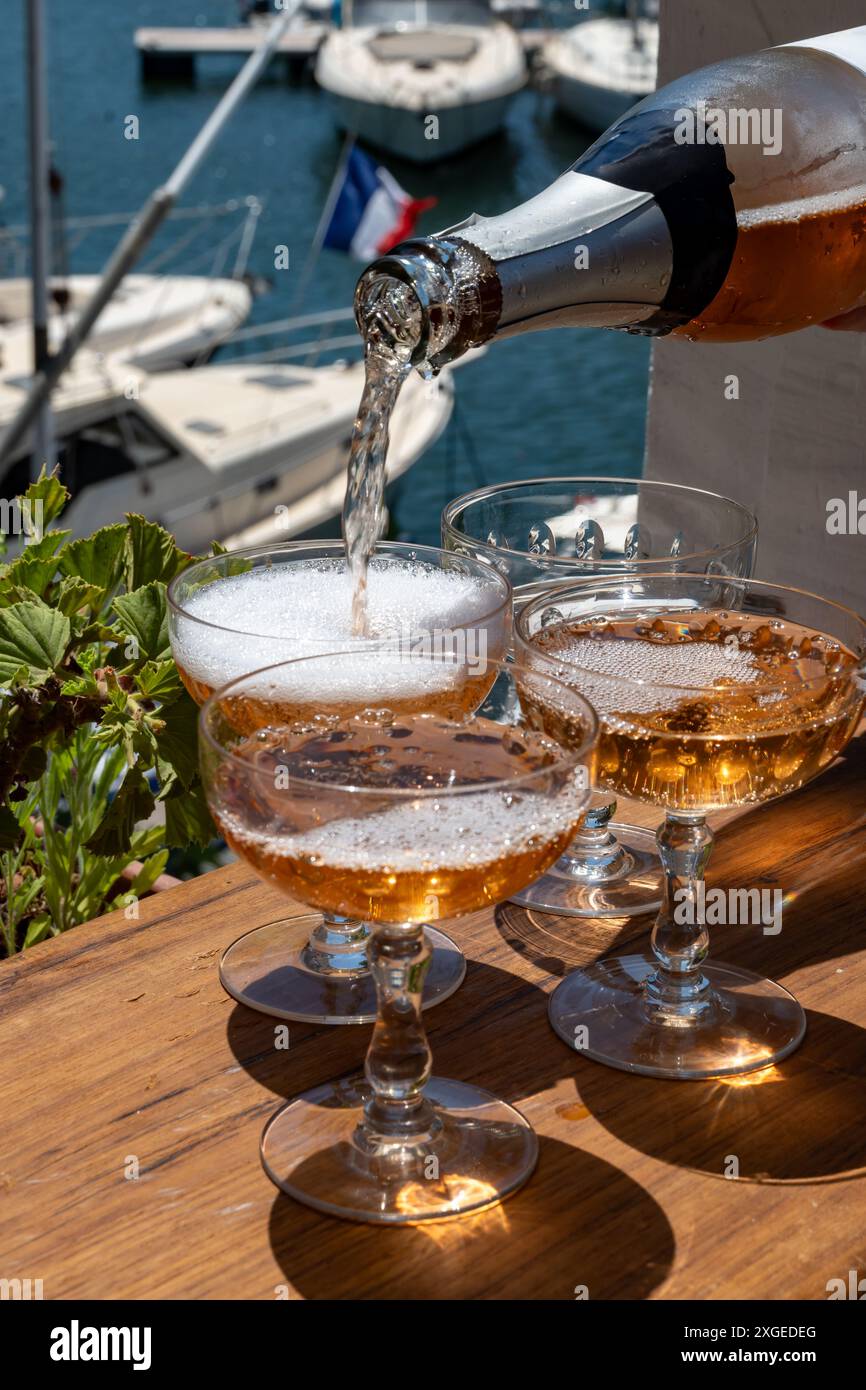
(266, 970)
(748, 1024)
(477, 1151)
(636, 886)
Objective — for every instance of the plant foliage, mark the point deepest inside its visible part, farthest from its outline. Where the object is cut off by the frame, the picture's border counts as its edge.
(96, 728)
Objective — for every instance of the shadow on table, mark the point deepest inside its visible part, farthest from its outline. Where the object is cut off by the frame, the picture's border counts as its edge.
(471, 1035)
(811, 845)
(579, 1221)
(801, 1121)
(559, 945)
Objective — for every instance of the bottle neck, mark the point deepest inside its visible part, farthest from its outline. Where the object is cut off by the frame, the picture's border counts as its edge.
(584, 252)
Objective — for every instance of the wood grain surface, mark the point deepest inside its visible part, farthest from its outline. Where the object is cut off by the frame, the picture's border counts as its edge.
(120, 1054)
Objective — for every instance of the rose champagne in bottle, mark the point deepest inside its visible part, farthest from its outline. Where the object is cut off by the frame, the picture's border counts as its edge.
(728, 205)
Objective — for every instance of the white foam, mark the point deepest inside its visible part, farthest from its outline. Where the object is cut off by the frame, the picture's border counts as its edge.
(295, 610)
(429, 834)
(798, 209)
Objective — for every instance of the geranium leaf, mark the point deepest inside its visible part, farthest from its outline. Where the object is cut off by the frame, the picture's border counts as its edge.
(133, 802)
(159, 680)
(150, 553)
(73, 594)
(144, 618)
(32, 635)
(46, 498)
(97, 559)
(187, 819)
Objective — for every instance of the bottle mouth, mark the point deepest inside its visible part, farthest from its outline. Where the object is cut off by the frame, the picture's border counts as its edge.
(431, 299)
(390, 313)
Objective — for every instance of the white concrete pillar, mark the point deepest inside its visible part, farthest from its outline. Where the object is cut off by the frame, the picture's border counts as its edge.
(796, 437)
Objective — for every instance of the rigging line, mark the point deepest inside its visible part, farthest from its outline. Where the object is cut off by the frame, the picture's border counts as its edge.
(153, 263)
(207, 257)
(255, 208)
(298, 350)
(21, 231)
(220, 256)
(470, 450)
(204, 257)
(210, 343)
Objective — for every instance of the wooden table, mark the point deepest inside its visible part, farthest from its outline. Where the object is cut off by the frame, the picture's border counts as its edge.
(120, 1053)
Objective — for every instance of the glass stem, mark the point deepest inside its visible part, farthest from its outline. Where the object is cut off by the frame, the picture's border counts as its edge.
(597, 852)
(678, 992)
(399, 1059)
(338, 946)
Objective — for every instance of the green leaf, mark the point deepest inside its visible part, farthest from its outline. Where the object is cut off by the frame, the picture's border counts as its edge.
(151, 553)
(15, 593)
(144, 617)
(120, 728)
(133, 802)
(187, 819)
(39, 548)
(32, 635)
(50, 492)
(47, 546)
(18, 678)
(177, 745)
(74, 594)
(85, 631)
(159, 680)
(35, 567)
(97, 559)
(146, 840)
(145, 879)
(29, 890)
(80, 685)
(10, 830)
(38, 928)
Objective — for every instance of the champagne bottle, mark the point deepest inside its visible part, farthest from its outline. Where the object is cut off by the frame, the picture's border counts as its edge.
(728, 205)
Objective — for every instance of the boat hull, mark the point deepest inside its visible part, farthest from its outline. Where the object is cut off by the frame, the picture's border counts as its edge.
(591, 106)
(404, 132)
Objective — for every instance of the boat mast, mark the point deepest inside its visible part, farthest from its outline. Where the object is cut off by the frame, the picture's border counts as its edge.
(37, 105)
(142, 229)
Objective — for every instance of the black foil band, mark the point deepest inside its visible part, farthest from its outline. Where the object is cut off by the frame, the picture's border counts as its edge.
(692, 185)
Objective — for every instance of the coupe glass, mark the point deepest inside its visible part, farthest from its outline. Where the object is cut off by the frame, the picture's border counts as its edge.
(711, 693)
(361, 797)
(543, 531)
(237, 612)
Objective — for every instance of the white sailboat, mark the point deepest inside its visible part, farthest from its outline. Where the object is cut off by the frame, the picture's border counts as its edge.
(156, 320)
(212, 451)
(602, 66)
(153, 321)
(422, 79)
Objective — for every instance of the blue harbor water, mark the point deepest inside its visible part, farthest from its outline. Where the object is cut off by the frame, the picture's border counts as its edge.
(567, 401)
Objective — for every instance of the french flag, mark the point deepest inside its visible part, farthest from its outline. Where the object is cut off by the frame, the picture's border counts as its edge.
(371, 211)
